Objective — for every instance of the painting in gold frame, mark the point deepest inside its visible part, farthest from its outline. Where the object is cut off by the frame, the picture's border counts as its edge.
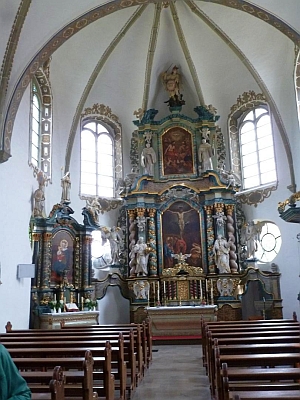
(177, 152)
(181, 234)
(62, 258)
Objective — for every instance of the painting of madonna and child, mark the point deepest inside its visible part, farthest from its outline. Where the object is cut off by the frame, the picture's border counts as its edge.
(181, 234)
(177, 152)
(62, 258)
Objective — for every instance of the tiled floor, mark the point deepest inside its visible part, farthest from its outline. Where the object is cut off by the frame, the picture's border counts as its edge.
(176, 373)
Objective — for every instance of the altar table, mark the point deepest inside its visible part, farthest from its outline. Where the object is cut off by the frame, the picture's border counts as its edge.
(53, 320)
(180, 320)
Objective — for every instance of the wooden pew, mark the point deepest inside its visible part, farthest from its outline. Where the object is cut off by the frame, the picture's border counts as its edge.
(68, 334)
(93, 345)
(266, 395)
(55, 389)
(122, 351)
(246, 379)
(103, 364)
(205, 328)
(242, 333)
(265, 360)
(144, 329)
(290, 336)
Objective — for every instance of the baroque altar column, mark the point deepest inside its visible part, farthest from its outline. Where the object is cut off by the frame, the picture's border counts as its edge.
(230, 231)
(47, 258)
(131, 240)
(153, 268)
(210, 240)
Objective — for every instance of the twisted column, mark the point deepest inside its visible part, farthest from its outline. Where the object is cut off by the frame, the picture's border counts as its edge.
(131, 240)
(210, 239)
(47, 256)
(152, 243)
(230, 231)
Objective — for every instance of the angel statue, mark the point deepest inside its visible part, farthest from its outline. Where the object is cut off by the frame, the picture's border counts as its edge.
(250, 237)
(225, 287)
(114, 236)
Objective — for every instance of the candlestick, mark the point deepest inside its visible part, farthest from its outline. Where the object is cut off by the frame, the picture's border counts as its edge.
(154, 292)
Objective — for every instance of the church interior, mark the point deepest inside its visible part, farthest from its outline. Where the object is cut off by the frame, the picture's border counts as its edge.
(149, 161)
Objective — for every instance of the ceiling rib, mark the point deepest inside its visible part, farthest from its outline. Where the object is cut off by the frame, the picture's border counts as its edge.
(187, 54)
(258, 80)
(93, 77)
(150, 56)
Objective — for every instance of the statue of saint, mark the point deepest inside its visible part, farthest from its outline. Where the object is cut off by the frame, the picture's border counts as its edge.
(66, 186)
(115, 241)
(205, 154)
(221, 251)
(141, 251)
(171, 81)
(148, 159)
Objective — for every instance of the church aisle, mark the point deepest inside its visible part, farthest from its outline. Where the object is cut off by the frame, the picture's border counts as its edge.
(176, 373)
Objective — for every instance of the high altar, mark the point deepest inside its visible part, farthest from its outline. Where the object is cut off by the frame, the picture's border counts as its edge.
(179, 206)
(181, 225)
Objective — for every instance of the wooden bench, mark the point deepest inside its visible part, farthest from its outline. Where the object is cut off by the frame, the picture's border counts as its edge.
(140, 348)
(266, 395)
(122, 350)
(209, 326)
(55, 389)
(105, 389)
(263, 379)
(291, 336)
(247, 345)
(264, 360)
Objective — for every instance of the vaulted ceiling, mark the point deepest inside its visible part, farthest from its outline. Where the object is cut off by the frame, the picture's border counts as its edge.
(114, 53)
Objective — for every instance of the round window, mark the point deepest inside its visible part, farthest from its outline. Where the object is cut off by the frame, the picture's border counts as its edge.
(269, 242)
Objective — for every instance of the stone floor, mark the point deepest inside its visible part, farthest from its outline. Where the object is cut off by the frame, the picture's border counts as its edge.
(176, 373)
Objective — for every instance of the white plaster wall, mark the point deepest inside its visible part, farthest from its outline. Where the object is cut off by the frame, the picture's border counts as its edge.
(17, 184)
(113, 308)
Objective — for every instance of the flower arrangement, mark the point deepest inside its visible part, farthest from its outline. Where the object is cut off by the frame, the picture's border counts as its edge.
(52, 304)
(90, 304)
(60, 304)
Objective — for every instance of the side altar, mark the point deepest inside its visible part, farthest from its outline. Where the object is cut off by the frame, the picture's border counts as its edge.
(179, 321)
(54, 320)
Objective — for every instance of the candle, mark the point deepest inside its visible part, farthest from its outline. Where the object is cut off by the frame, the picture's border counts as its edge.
(201, 294)
(54, 296)
(157, 291)
(78, 298)
(211, 291)
(154, 291)
(164, 288)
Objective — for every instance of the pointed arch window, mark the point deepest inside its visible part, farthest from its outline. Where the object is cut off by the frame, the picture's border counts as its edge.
(40, 123)
(35, 127)
(258, 165)
(97, 160)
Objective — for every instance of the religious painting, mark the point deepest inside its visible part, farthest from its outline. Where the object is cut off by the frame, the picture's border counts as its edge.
(181, 234)
(177, 153)
(62, 258)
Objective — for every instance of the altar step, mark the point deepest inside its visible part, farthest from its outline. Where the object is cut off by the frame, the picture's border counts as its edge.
(177, 340)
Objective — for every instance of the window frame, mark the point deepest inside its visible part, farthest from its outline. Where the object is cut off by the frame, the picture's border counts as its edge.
(112, 134)
(255, 121)
(44, 93)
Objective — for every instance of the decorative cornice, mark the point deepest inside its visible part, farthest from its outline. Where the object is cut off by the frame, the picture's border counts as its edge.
(100, 109)
(248, 100)
(255, 196)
